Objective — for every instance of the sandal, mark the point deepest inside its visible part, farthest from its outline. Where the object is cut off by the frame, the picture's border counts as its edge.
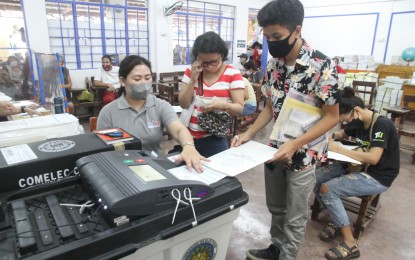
(343, 251)
(327, 234)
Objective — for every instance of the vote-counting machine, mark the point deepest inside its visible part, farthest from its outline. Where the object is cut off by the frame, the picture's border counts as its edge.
(109, 205)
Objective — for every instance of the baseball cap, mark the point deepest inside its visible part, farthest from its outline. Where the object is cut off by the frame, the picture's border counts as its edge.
(243, 55)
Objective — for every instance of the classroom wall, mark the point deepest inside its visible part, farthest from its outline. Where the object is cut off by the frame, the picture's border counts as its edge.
(365, 27)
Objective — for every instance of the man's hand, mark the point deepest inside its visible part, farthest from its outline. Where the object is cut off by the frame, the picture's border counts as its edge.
(285, 152)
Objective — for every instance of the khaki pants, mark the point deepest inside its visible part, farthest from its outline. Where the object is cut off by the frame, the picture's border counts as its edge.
(287, 194)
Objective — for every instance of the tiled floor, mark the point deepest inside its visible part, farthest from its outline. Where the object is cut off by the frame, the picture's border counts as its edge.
(390, 236)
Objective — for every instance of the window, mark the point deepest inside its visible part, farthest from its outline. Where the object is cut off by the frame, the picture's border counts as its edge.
(84, 30)
(196, 18)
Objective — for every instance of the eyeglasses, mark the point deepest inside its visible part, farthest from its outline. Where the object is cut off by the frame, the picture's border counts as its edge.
(211, 63)
(344, 122)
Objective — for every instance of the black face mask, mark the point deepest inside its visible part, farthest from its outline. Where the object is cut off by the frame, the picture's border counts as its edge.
(280, 48)
(355, 124)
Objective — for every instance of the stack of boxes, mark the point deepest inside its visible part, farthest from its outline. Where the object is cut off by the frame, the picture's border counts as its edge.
(389, 94)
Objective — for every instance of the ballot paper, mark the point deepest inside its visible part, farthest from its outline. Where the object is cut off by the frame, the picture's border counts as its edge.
(230, 162)
(240, 159)
(341, 157)
(208, 176)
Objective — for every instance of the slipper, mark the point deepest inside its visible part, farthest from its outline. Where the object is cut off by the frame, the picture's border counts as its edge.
(343, 251)
(327, 234)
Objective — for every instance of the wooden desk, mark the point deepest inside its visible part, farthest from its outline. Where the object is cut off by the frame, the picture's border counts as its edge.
(397, 112)
(404, 72)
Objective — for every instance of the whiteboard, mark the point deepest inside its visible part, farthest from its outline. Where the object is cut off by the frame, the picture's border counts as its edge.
(401, 34)
(340, 35)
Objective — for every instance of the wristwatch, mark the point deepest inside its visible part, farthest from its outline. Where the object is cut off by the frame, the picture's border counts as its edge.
(333, 136)
(22, 109)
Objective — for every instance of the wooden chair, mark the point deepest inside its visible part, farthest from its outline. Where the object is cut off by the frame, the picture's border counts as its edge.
(166, 92)
(93, 123)
(240, 123)
(171, 79)
(154, 85)
(406, 130)
(82, 108)
(365, 90)
(365, 209)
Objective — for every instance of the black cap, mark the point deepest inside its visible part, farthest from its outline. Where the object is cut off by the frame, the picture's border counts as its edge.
(243, 55)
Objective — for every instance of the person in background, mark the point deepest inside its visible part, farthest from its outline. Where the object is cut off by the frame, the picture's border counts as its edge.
(289, 175)
(11, 78)
(335, 181)
(255, 57)
(145, 116)
(256, 77)
(250, 99)
(243, 59)
(8, 109)
(338, 68)
(221, 88)
(107, 77)
(67, 84)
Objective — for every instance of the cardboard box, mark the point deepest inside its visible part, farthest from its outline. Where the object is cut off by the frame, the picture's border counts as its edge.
(47, 161)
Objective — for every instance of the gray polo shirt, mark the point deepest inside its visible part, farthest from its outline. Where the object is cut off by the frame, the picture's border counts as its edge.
(147, 124)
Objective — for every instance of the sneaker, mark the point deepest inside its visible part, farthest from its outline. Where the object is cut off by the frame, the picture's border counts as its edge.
(270, 253)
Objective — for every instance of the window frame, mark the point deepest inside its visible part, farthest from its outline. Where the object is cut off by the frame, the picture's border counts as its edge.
(180, 15)
(120, 36)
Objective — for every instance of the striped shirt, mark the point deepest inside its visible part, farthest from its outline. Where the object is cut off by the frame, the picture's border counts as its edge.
(229, 80)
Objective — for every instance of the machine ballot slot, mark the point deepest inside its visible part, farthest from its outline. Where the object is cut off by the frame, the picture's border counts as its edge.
(133, 183)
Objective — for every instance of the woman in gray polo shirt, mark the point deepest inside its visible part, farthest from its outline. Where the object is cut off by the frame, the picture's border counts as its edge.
(145, 116)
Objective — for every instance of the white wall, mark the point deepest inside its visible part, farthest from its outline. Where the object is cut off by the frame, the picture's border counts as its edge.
(332, 29)
(348, 31)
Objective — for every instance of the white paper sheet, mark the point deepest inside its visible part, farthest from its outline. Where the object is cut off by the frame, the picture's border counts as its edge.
(341, 157)
(18, 154)
(208, 176)
(240, 159)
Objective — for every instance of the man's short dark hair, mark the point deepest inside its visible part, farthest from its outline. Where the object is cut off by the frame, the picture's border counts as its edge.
(288, 13)
(210, 42)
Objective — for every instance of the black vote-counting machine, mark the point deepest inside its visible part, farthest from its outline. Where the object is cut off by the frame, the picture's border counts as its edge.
(122, 202)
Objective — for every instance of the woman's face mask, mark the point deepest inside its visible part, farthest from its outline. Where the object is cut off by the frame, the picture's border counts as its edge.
(106, 67)
(281, 48)
(13, 63)
(139, 91)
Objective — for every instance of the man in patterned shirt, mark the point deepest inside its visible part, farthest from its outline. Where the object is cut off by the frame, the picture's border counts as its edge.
(289, 175)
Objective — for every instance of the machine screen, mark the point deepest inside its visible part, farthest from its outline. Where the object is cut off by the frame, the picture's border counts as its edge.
(147, 173)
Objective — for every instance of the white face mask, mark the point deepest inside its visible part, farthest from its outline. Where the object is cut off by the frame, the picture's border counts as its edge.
(13, 63)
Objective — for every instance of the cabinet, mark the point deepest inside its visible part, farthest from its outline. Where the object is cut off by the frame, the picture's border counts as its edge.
(404, 72)
(408, 89)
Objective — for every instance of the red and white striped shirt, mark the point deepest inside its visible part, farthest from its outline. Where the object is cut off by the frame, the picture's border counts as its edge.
(230, 79)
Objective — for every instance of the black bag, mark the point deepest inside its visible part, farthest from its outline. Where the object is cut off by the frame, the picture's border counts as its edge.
(215, 122)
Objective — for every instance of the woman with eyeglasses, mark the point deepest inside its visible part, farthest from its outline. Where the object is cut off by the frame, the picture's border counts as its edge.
(213, 85)
(335, 180)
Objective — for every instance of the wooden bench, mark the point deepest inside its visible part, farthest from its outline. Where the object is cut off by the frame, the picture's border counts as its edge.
(365, 207)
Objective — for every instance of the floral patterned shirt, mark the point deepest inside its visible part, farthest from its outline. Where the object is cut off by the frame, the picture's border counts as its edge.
(313, 74)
